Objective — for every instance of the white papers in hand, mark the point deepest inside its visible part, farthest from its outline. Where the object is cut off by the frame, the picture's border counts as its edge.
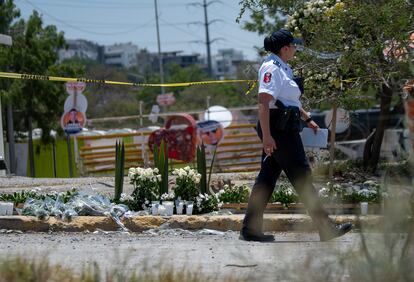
(310, 139)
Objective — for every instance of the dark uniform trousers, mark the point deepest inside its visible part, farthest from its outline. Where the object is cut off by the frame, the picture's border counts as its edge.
(289, 157)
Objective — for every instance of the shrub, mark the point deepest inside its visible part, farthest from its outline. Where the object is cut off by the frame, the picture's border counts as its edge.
(369, 191)
(285, 195)
(206, 203)
(234, 194)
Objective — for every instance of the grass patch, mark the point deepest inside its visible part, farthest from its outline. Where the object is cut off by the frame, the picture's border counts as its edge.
(19, 269)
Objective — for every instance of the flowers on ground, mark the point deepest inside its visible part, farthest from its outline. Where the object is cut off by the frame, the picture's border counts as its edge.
(186, 183)
(369, 191)
(146, 183)
(187, 188)
(285, 195)
(168, 196)
(234, 194)
(207, 203)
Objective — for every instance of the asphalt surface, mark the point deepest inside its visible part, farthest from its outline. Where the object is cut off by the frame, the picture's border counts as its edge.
(217, 255)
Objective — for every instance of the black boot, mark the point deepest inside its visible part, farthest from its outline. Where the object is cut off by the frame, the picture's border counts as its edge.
(258, 237)
(334, 231)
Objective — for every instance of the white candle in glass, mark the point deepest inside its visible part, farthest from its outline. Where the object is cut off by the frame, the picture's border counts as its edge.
(189, 209)
(179, 207)
(169, 206)
(9, 208)
(2, 208)
(162, 210)
(154, 208)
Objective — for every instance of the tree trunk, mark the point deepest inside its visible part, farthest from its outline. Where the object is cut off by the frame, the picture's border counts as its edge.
(372, 148)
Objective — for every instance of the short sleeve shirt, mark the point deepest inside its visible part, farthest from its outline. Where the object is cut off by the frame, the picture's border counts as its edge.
(276, 79)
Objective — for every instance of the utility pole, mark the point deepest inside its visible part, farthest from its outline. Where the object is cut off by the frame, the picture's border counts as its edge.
(159, 48)
(206, 23)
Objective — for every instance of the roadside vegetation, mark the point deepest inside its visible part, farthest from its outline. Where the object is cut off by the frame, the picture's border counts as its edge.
(20, 268)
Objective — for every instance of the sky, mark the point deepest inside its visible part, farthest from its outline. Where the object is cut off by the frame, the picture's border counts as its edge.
(119, 21)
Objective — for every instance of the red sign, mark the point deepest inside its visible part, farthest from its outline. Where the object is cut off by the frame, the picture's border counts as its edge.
(74, 86)
(166, 99)
(179, 134)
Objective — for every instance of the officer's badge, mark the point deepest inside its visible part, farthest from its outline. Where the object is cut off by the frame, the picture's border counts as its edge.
(267, 77)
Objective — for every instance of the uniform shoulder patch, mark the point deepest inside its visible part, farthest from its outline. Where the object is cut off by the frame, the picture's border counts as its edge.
(277, 63)
(267, 77)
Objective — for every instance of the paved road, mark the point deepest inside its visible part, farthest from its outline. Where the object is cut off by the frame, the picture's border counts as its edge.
(216, 255)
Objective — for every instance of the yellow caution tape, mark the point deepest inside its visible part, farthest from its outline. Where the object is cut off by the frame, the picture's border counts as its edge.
(252, 83)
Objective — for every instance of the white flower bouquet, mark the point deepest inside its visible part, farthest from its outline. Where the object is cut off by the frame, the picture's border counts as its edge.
(146, 183)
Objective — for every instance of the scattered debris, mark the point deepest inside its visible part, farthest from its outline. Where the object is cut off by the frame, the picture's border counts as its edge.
(240, 265)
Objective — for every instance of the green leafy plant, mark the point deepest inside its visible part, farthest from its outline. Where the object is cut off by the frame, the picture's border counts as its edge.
(119, 169)
(202, 168)
(161, 163)
(234, 194)
(18, 197)
(22, 196)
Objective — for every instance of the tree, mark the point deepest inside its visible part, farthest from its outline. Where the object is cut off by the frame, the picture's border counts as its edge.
(345, 40)
(110, 100)
(195, 97)
(8, 13)
(35, 52)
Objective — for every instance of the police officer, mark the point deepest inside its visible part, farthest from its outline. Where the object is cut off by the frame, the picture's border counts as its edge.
(280, 112)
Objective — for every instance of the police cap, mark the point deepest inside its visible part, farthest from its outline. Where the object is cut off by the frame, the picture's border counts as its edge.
(279, 39)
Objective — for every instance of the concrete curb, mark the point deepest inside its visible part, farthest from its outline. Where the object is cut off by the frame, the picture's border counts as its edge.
(272, 222)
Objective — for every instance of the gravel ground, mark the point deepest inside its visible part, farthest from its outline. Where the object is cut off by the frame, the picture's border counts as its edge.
(103, 185)
(217, 255)
(98, 184)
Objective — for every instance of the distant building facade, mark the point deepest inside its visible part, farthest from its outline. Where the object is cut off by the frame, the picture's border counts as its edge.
(174, 57)
(127, 55)
(226, 62)
(82, 49)
(121, 55)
